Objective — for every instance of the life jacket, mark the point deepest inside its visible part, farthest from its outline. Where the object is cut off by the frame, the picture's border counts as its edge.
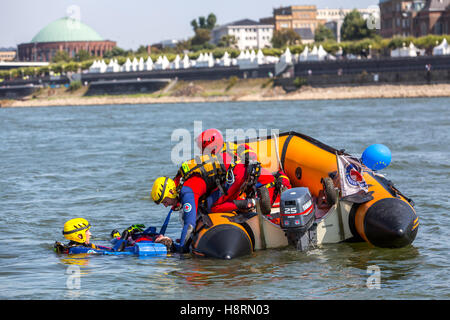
(65, 248)
(239, 153)
(208, 167)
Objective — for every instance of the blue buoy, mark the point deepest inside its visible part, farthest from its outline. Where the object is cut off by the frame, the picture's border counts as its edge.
(376, 157)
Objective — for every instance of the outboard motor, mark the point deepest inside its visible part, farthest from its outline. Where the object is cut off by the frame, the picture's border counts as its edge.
(297, 213)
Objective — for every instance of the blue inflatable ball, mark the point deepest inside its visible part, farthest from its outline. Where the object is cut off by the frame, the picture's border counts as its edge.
(376, 157)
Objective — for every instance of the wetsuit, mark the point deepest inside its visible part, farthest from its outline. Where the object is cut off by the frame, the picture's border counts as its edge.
(193, 189)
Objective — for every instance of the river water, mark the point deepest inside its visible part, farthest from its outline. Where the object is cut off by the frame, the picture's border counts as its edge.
(99, 162)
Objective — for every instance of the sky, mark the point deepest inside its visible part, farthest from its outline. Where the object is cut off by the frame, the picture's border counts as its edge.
(132, 23)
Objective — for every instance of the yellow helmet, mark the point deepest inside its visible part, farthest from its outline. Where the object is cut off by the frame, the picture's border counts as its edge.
(75, 230)
(163, 187)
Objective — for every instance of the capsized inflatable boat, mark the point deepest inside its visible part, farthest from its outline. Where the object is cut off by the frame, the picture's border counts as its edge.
(313, 212)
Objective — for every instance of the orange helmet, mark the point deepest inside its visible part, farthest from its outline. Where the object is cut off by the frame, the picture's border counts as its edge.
(210, 140)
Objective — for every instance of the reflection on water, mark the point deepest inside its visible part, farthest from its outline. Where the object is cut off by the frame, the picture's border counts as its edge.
(81, 259)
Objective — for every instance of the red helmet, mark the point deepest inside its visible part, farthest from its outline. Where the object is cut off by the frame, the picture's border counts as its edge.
(210, 140)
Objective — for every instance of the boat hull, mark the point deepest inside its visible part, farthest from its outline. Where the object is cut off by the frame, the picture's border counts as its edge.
(388, 220)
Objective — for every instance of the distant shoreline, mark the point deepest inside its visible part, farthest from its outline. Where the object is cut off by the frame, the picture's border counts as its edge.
(206, 92)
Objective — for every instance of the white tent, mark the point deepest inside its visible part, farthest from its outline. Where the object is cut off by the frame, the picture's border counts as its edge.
(141, 66)
(113, 66)
(441, 49)
(166, 62)
(412, 50)
(252, 55)
(199, 61)
(286, 56)
(135, 64)
(185, 63)
(314, 54)
(127, 66)
(321, 53)
(148, 66)
(210, 60)
(94, 67)
(176, 63)
(205, 61)
(245, 60)
(98, 67)
(103, 66)
(304, 55)
(260, 59)
(158, 65)
(225, 61)
(161, 63)
(404, 51)
(284, 62)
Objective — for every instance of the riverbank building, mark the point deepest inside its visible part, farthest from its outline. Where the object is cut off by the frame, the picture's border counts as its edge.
(65, 34)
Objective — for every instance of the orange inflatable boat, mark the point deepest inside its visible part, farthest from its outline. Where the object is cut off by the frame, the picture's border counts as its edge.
(312, 213)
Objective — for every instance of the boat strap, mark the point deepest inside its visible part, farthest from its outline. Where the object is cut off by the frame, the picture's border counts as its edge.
(285, 146)
(262, 236)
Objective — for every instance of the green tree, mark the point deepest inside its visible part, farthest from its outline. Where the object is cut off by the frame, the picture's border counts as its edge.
(201, 36)
(285, 37)
(183, 45)
(323, 33)
(227, 41)
(194, 25)
(355, 27)
(82, 55)
(204, 23)
(61, 56)
(142, 50)
(115, 52)
(72, 66)
(211, 21)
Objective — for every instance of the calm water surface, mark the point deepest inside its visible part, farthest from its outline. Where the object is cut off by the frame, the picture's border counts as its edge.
(99, 162)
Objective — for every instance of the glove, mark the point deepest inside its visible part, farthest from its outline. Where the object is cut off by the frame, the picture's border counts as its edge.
(245, 205)
(136, 228)
(59, 247)
(165, 241)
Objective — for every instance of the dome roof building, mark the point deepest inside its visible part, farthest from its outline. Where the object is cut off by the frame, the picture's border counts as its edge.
(64, 34)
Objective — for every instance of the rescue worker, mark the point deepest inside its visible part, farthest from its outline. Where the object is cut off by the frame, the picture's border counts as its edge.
(195, 181)
(77, 231)
(211, 141)
(164, 191)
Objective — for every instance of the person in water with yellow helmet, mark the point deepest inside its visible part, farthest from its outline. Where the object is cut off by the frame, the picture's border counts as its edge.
(164, 191)
(77, 231)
